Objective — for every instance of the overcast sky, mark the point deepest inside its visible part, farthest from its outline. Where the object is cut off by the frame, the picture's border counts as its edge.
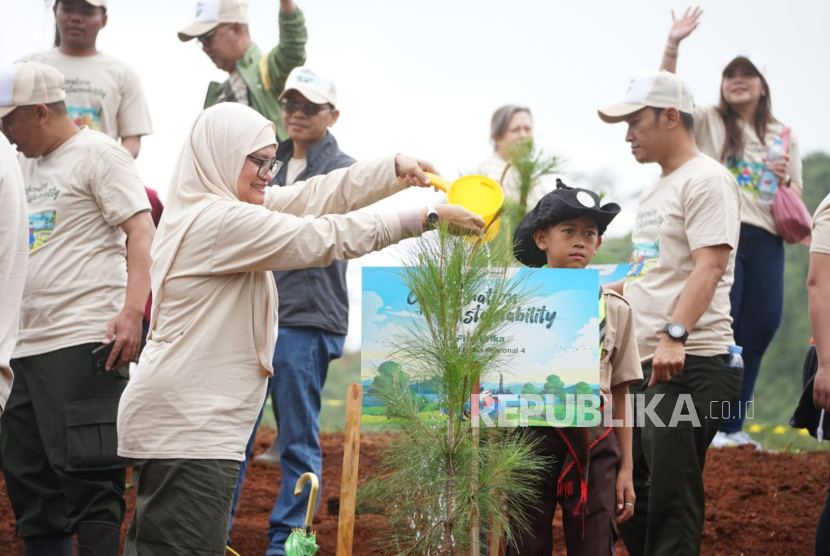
(424, 77)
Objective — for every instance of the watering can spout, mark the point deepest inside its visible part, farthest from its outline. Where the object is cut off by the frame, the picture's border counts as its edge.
(312, 498)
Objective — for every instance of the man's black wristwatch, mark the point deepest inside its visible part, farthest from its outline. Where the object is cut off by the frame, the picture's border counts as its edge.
(432, 218)
(677, 332)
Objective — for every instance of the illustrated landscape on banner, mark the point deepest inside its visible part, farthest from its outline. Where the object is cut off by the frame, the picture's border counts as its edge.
(550, 344)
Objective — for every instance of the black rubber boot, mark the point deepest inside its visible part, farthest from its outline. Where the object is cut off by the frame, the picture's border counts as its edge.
(49, 546)
(98, 538)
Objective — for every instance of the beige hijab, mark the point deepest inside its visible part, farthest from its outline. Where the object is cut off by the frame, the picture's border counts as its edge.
(207, 172)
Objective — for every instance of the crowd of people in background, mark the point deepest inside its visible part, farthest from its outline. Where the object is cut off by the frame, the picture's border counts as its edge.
(233, 291)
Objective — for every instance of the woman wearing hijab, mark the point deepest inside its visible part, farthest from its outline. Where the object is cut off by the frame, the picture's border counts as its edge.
(740, 132)
(189, 409)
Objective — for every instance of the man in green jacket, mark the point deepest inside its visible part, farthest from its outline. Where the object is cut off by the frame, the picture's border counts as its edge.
(254, 79)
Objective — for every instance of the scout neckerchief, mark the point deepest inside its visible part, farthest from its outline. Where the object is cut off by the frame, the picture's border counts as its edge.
(580, 441)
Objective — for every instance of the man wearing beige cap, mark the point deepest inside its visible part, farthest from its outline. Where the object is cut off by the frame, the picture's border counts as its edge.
(314, 307)
(58, 432)
(254, 79)
(102, 92)
(682, 268)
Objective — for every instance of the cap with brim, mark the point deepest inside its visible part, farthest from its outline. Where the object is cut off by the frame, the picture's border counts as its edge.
(195, 30)
(559, 205)
(618, 112)
(650, 88)
(752, 59)
(316, 87)
(27, 84)
(212, 13)
(307, 92)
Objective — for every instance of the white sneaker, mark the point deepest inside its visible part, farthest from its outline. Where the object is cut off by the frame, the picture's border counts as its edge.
(732, 439)
(721, 441)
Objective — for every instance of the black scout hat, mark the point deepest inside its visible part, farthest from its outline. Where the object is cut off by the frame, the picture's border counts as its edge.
(559, 205)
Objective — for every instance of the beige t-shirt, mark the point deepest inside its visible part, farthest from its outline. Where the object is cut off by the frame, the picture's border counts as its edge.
(295, 168)
(821, 228)
(78, 195)
(757, 190)
(102, 93)
(14, 251)
(493, 167)
(698, 205)
(620, 358)
(200, 385)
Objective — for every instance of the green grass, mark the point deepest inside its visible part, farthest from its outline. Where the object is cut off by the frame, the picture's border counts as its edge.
(784, 438)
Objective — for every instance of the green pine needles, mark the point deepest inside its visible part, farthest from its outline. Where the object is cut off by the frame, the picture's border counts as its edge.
(531, 164)
(446, 483)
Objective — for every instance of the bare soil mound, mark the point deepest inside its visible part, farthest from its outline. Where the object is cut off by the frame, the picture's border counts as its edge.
(757, 503)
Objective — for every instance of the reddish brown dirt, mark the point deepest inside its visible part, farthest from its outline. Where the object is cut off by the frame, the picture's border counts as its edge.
(756, 503)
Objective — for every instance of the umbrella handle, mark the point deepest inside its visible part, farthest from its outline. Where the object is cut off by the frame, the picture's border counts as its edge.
(312, 499)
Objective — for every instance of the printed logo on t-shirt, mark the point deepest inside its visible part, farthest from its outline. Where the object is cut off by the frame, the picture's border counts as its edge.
(646, 218)
(41, 226)
(40, 192)
(85, 116)
(752, 178)
(643, 258)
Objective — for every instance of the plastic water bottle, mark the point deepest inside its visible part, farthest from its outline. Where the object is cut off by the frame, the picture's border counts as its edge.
(735, 360)
(768, 182)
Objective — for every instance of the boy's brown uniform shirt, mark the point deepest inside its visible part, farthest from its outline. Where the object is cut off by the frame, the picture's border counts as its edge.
(620, 357)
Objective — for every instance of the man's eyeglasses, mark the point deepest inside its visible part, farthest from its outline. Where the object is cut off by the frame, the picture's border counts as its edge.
(208, 37)
(266, 166)
(309, 108)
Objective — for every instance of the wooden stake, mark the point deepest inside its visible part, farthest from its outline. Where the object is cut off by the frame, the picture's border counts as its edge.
(495, 532)
(475, 542)
(348, 483)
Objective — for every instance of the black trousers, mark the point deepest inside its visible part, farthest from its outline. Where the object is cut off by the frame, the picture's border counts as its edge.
(58, 441)
(823, 530)
(668, 460)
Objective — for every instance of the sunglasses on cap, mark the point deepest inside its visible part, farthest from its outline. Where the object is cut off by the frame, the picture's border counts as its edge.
(309, 108)
(266, 166)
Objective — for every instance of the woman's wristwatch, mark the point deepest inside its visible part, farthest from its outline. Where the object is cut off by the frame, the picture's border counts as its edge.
(432, 218)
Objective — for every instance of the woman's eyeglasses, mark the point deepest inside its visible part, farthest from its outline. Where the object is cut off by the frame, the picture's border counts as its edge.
(266, 166)
(309, 108)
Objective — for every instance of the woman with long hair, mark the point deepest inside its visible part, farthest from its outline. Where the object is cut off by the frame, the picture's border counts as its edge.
(763, 155)
(188, 411)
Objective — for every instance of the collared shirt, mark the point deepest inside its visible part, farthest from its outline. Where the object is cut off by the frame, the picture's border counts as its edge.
(620, 358)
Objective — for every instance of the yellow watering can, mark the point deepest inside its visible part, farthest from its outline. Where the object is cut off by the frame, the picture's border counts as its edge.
(478, 194)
